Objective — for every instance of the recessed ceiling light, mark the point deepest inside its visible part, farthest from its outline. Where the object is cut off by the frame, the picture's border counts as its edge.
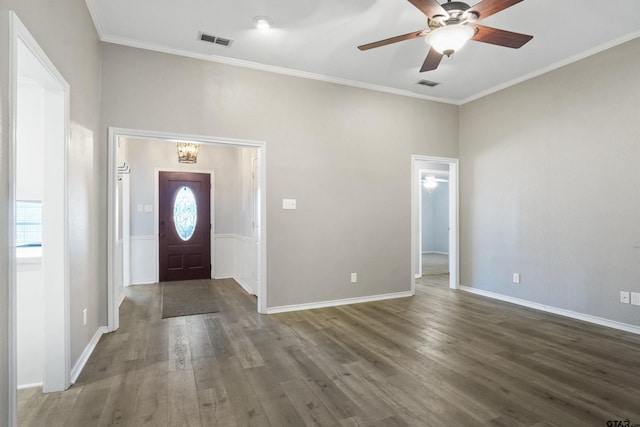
(263, 22)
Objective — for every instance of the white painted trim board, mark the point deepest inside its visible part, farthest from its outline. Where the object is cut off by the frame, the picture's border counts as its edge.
(554, 310)
(338, 302)
(86, 353)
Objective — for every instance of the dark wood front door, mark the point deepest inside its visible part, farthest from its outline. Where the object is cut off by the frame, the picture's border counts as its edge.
(184, 226)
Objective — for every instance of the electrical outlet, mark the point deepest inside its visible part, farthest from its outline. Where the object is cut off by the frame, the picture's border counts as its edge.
(354, 277)
(635, 298)
(624, 297)
(84, 317)
(516, 277)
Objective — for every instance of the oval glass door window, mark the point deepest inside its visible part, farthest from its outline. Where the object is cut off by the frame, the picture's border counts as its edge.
(185, 213)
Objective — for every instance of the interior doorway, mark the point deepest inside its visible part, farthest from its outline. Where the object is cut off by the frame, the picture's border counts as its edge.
(434, 234)
(434, 221)
(141, 222)
(39, 129)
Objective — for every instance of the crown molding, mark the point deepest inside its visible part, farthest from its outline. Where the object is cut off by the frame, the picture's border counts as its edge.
(270, 68)
(554, 66)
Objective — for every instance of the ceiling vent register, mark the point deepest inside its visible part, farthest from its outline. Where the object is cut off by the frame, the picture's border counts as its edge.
(215, 40)
(428, 83)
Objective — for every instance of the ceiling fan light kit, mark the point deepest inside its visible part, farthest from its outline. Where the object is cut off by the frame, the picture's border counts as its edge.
(452, 24)
(449, 39)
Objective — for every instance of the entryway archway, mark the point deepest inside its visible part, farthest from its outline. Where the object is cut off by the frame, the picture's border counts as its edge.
(115, 250)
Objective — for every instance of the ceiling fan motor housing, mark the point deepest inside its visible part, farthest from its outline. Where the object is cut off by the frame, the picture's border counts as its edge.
(455, 15)
(455, 9)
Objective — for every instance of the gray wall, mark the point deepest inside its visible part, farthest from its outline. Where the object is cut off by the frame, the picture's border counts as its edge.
(343, 153)
(75, 50)
(435, 219)
(549, 187)
(144, 156)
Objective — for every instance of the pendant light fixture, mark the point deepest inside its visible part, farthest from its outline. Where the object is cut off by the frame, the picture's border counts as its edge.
(188, 152)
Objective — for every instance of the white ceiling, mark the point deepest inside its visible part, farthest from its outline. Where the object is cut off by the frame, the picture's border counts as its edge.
(319, 39)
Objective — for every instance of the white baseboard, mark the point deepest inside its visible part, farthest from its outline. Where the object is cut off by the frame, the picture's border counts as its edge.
(417, 276)
(121, 301)
(153, 282)
(435, 252)
(84, 357)
(554, 310)
(244, 286)
(335, 303)
(25, 386)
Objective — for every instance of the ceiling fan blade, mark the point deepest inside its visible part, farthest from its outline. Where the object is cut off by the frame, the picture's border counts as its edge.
(392, 40)
(486, 8)
(430, 8)
(500, 37)
(432, 61)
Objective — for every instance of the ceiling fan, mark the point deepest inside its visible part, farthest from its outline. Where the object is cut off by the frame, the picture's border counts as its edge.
(431, 181)
(451, 24)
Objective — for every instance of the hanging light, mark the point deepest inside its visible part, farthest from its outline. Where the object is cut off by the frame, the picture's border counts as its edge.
(449, 39)
(188, 152)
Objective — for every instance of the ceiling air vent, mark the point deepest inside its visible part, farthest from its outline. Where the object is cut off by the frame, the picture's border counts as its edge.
(216, 40)
(428, 83)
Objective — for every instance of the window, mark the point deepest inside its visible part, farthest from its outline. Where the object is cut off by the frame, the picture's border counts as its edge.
(28, 223)
(185, 213)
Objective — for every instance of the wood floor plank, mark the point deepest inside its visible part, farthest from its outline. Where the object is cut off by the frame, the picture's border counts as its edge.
(183, 408)
(215, 408)
(441, 358)
(120, 404)
(179, 350)
(153, 396)
(310, 408)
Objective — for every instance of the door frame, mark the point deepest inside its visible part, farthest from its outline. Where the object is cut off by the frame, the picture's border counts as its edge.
(156, 219)
(56, 373)
(112, 170)
(454, 255)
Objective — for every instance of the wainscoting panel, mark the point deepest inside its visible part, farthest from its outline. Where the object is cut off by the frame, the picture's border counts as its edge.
(223, 255)
(143, 260)
(236, 257)
(30, 322)
(245, 264)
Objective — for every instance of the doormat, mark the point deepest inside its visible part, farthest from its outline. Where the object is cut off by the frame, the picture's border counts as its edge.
(188, 298)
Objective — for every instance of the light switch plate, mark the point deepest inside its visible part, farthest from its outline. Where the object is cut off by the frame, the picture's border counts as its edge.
(635, 298)
(624, 297)
(148, 208)
(516, 277)
(288, 203)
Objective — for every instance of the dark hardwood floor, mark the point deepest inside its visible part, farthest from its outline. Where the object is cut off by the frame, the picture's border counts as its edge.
(441, 358)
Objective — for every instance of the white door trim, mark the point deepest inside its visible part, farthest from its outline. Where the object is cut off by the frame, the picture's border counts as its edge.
(56, 257)
(454, 257)
(114, 134)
